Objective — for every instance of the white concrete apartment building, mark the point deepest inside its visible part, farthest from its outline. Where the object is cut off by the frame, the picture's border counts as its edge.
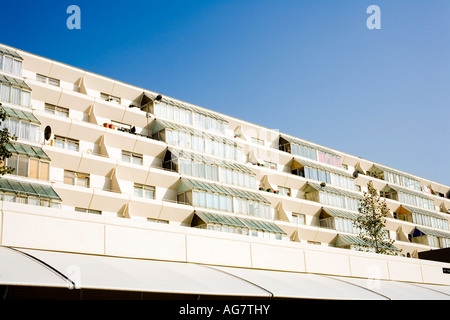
(122, 191)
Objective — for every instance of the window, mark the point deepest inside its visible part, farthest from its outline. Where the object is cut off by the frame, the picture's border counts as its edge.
(7, 64)
(257, 141)
(76, 178)
(132, 157)
(108, 97)
(29, 167)
(270, 165)
(304, 151)
(60, 111)
(10, 65)
(171, 112)
(144, 191)
(15, 95)
(88, 210)
(31, 200)
(157, 221)
(284, 191)
(66, 143)
(298, 218)
(48, 80)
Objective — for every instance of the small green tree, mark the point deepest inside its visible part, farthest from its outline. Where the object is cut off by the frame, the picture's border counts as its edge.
(371, 222)
(5, 138)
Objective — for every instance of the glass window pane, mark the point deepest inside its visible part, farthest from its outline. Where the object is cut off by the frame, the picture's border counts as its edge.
(149, 192)
(72, 145)
(203, 199)
(59, 142)
(6, 92)
(69, 177)
(138, 191)
(8, 62)
(44, 169)
(41, 78)
(24, 132)
(26, 98)
(17, 67)
(54, 82)
(126, 156)
(34, 168)
(33, 201)
(16, 95)
(137, 159)
(83, 181)
(12, 162)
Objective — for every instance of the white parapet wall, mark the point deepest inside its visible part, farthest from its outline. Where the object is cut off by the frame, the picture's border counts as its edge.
(25, 226)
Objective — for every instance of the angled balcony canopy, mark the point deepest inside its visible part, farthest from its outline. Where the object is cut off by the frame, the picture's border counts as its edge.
(382, 169)
(27, 150)
(433, 232)
(339, 213)
(262, 225)
(289, 139)
(327, 188)
(183, 154)
(421, 211)
(300, 162)
(21, 115)
(190, 184)
(14, 82)
(12, 53)
(28, 189)
(239, 222)
(396, 188)
(349, 240)
(221, 219)
(147, 97)
(159, 125)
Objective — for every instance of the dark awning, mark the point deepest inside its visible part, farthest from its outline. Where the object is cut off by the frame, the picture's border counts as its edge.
(27, 150)
(28, 189)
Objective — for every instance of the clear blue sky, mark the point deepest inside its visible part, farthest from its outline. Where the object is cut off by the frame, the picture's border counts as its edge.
(311, 69)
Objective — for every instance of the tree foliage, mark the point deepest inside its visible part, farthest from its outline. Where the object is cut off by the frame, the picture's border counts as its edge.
(371, 222)
(5, 138)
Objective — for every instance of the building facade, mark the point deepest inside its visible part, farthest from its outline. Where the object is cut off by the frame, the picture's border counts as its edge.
(110, 170)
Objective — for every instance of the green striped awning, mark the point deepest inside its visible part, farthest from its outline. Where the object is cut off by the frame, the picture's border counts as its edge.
(308, 145)
(262, 226)
(27, 150)
(29, 189)
(340, 213)
(382, 168)
(406, 190)
(422, 211)
(228, 220)
(188, 184)
(186, 106)
(345, 240)
(159, 125)
(337, 191)
(19, 114)
(319, 166)
(437, 233)
(209, 160)
(14, 82)
(10, 52)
